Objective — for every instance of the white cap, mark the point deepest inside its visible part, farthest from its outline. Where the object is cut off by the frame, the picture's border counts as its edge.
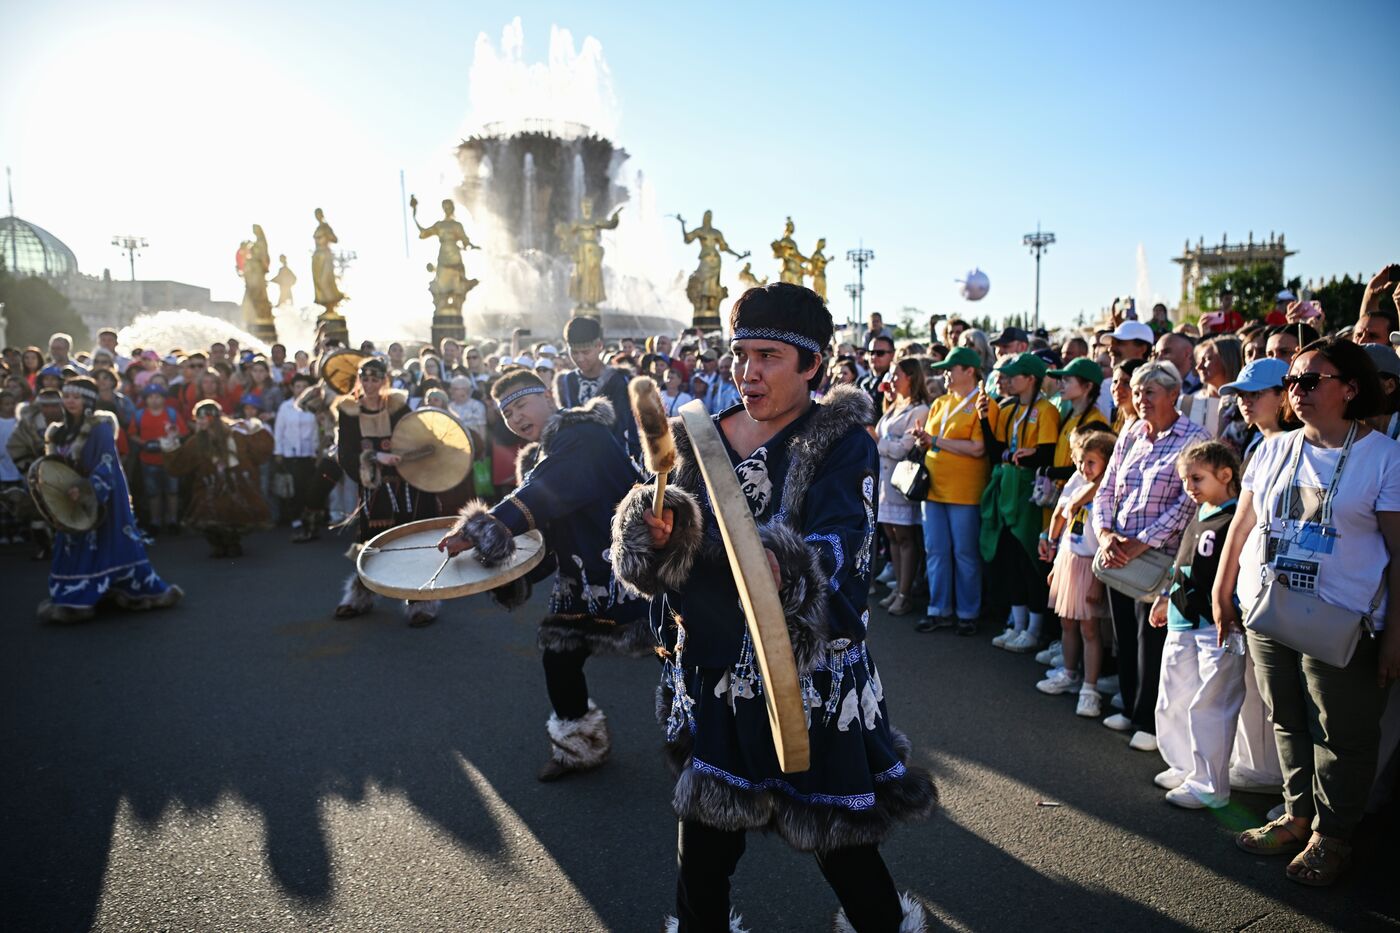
(544, 362)
(548, 350)
(505, 361)
(1133, 330)
(524, 360)
(1286, 295)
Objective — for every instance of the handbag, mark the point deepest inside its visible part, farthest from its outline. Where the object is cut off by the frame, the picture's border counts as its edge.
(911, 476)
(1142, 578)
(1293, 617)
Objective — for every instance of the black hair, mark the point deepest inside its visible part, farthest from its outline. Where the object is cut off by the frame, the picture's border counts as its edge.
(788, 307)
(1305, 333)
(1354, 365)
(512, 378)
(1382, 311)
(581, 331)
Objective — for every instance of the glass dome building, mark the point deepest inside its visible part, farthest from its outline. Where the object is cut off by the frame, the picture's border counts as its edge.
(28, 249)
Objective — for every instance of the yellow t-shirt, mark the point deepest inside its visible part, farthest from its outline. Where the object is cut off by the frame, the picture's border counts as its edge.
(1041, 425)
(1091, 416)
(955, 479)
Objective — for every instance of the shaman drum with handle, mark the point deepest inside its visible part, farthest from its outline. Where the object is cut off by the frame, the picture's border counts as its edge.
(404, 563)
(51, 480)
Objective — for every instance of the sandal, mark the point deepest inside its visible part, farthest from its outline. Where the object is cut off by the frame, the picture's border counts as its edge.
(1321, 863)
(1275, 838)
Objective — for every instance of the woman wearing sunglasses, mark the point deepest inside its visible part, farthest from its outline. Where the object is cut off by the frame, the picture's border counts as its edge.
(1319, 507)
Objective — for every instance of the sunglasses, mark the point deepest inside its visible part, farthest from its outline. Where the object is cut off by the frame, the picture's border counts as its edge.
(1307, 382)
(881, 352)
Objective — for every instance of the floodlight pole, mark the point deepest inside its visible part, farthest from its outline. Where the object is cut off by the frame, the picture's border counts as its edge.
(854, 291)
(130, 245)
(1038, 243)
(862, 257)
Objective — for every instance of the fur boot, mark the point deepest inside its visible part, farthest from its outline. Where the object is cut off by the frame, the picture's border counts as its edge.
(421, 612)
(736, 924)
(915, 918)
(64, 615)
(161, 601)
(356, 600)
(580, 744)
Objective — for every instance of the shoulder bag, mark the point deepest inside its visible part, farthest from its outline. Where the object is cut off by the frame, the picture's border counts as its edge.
(1295, 618)
(911, 477)
(1142, 578)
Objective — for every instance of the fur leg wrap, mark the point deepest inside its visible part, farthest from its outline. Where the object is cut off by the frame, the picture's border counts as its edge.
(160, 601)
(736, 924)
(514, 594)
(421, 612)
(640, 567)
(64, 615)
(915, 919)
(357, 597)
(580, 743)
(493, 540)
(804, 593)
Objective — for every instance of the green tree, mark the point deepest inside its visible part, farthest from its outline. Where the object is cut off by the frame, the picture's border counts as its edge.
(1256, 287)
(1341, 299)
(35, 310)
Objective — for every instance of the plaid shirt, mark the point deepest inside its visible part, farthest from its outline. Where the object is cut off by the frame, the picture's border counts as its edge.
(1141, 495)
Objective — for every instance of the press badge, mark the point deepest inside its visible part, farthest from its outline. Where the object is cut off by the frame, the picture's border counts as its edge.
(1302, 539)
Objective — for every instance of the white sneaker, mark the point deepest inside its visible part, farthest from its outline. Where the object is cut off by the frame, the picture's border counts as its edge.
(886, 576)
(1242, 783)
(1060, 682)
(1181, 797)
(1143, 742)
(1108, 686)
(1048, 655)
(1118, 722)
(1001, 640)
(1169, 778)
(1089, 705)
(1117, 700)
(1023, 643)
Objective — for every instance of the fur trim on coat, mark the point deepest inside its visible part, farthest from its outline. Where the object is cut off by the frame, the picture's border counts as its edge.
(493, 541)
(914, 919)
(736, 924)
(394, 399)
(356, 595)
(90, 420)
(597, 410)
(159, 601)
(580, 743)
(641, 568)
(564, 633)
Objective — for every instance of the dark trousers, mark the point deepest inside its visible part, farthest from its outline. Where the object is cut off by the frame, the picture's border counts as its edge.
(564, 680)
(303, 473)
(707, 858)
(1020, 578)
(1139, 658)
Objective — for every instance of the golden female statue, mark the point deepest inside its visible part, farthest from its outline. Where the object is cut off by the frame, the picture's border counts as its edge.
(703, 288)
(586, 287)
(450, 285)
(284, 280)
(816, 268)
(323, 266)
(257, 308)
(794, 263)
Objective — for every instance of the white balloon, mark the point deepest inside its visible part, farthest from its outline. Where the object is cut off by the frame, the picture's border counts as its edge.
(975, 286)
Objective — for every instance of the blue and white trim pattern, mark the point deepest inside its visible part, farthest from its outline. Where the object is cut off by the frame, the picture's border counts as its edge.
(782, 336)
(846, 801)
(519, 394)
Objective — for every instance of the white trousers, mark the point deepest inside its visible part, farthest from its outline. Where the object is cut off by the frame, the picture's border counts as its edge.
(1255, 760)
(1198, 701)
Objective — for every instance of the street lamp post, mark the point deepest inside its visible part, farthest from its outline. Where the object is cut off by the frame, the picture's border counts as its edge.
(862, 257)
(1038, 243)
(130, 245)
(854, 291)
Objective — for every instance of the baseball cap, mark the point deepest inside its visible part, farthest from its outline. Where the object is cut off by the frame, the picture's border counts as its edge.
(1011, 335)
(1133, 330)
(1286, 295)
(960, 356)
(545, 362)
(1023, 364)
(171, 359)
(154, 389)
(709, 355)
(548, 350)
(1387, 363)
(1264, 373)
(1081, 367)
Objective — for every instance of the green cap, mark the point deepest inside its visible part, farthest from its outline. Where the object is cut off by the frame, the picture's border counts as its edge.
(960, 356)
(1081, 368)
(1023, 364)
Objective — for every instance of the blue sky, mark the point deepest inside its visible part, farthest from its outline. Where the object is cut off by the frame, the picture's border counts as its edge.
(936, 133)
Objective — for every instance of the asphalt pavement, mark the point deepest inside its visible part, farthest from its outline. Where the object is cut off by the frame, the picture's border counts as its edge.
(247, 762)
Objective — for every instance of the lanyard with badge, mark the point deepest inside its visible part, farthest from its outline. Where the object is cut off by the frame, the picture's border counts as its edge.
(1013, 437)
(952, 413)
(1295, 543)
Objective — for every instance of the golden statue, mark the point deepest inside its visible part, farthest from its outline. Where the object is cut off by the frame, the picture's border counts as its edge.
(794, 263)
(450, 283)
(586, 286)
(257, 308)
(703, 288)
(284, 280)
(749, 280)
(328, 293)
(816, 268)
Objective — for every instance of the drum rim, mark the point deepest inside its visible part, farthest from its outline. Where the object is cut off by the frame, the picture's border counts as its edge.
(31, 480)
(443, 524)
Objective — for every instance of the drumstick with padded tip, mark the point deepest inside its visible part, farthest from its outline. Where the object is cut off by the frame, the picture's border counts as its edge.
(658, 447)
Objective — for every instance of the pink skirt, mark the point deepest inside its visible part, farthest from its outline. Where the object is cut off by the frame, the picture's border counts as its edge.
(1074, 577)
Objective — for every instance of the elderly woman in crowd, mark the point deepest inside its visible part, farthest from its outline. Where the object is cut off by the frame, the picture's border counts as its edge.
(1141, 506)
(977, 341)
(895, 436)
(467, 409)
(1321, 510)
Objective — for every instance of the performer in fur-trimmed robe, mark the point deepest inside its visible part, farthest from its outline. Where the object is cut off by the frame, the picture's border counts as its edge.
(365, 422)
(808, 470)
(108, 562)
(223, 456)
(572, 475)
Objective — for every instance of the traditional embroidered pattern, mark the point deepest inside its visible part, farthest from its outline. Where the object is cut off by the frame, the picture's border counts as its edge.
(782, 336)
(848, 801)
(519, 394)
(838, 552)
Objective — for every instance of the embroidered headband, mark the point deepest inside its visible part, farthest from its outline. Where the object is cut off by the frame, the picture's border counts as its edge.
(78, 388)
(782, 336)
(519, 394)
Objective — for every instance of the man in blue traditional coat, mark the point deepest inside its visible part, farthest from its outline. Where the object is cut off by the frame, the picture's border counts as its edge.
(808, 470)
(572, 473)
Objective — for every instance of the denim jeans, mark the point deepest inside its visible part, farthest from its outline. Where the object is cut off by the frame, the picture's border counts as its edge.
(954, 563)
